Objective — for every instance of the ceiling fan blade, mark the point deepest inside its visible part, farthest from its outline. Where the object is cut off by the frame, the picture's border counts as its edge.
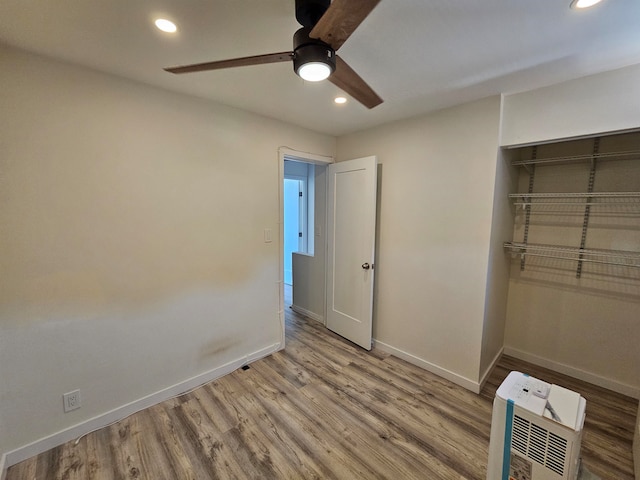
(340, 20)
(348, 80)
(233, 62)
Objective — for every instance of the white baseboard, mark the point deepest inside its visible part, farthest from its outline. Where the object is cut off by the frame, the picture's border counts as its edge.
(636, 447)
(39, 446)
(307, 313)
(430, 367)
(3, 466)
(623, 388)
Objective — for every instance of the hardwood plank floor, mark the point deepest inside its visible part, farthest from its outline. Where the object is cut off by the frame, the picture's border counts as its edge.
(325, 409)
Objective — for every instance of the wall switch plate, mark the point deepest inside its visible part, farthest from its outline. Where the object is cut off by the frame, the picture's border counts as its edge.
(71, 401)
(268, 236)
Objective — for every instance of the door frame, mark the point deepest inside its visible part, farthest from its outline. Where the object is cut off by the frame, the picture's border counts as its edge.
(298, 156)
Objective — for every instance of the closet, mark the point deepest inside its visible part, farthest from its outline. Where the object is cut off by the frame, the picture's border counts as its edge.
(574, 284)
(577, 209)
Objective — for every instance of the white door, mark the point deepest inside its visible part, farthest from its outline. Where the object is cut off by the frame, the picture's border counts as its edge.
(351, 224)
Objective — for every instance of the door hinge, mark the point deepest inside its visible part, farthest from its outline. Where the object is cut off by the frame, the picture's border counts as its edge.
(300, 234)
(299, 194)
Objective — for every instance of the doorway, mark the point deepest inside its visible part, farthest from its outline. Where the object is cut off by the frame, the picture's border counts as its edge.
(302, 258)
(298, 198)
(353, 190)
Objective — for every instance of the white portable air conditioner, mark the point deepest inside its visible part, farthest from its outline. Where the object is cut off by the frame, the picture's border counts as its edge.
(536, 431)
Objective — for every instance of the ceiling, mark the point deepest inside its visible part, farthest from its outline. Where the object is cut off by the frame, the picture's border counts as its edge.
(418, 55)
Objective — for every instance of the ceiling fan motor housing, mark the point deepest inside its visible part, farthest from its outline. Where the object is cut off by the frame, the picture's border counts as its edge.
(308, 12)
(307, 50)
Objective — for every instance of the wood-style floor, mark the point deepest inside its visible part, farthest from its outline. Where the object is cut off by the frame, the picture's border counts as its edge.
(325, 409)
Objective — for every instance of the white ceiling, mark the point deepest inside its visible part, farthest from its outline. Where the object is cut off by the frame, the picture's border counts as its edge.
(419, 55)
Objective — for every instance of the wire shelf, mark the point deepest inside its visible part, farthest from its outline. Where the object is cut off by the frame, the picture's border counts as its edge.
(627, 155)
(607, 257)
(595, 199)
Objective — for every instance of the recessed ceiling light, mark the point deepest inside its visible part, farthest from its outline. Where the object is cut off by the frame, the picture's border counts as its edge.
(340, 100)
(580, 4)
(166, 25)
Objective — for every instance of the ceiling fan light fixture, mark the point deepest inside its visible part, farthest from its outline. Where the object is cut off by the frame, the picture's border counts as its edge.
(581, 4)
(166, 25)
(314, 71)
(313, 60)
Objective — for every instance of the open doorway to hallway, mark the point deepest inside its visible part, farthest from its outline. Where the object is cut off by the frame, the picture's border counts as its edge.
(288, 295)
(299, 212)
(303, 242)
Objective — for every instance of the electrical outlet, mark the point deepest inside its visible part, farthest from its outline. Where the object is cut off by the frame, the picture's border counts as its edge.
(71, 401)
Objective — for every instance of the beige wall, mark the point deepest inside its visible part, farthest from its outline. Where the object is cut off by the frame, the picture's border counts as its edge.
(309, 270)
(435, 209)
(132, 227)
(499, 264)
(606, 102)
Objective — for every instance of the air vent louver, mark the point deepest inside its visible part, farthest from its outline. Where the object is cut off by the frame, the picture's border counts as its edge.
(539, 444)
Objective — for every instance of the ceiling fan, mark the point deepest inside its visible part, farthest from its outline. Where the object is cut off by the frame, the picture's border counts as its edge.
(326, 25)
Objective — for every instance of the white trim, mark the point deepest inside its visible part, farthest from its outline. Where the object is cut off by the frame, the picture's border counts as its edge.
(252, 357)
(308, 313)
(280, 282)
(117, 414)
(430, 367)
(3, 466)
(636, 447)
(489, 369)
(305, 157)
(623, 388)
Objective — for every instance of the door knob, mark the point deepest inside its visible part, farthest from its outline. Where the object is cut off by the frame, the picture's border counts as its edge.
(366, 266)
